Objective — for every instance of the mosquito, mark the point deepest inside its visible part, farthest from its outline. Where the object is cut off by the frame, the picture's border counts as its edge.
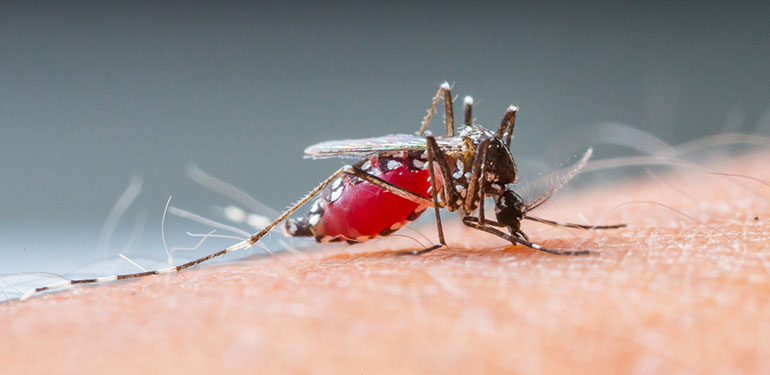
(400, 176)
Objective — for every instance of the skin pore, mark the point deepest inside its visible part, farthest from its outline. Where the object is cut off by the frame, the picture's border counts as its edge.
(684, 288)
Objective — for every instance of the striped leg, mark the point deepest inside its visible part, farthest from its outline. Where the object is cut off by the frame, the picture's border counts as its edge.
(519, 238)
(507, 124)
(444, 91)
(468, 110)
(238, 246)
(573, 225)
(414, 197)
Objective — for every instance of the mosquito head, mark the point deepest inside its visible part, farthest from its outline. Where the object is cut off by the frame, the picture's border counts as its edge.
(509, 209)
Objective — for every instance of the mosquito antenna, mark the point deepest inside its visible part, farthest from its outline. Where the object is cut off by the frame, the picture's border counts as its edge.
(118, 209)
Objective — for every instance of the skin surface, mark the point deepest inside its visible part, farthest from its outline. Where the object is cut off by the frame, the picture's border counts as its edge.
(667, 294)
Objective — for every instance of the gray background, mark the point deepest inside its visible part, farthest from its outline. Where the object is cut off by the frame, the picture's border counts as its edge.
(94, 93)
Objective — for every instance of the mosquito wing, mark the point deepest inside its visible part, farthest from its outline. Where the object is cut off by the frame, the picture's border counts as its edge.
(553, 181)
(363, 147)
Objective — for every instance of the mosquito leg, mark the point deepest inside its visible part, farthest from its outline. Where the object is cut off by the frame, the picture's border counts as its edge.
(406, 194)
(388, 186)
(516, 239)
(507, 124)
(449, 193)
(473, 182)
(448, 111)
(439, 227)
(238, 246)
(435, 155)
(446, 91)
(468, 110)
(552, 251)
(474, 220)
(573, 225)
(432, 147)
(482, 186)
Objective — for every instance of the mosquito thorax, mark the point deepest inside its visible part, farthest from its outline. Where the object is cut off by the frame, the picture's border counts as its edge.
(500, 167)
(509, 209)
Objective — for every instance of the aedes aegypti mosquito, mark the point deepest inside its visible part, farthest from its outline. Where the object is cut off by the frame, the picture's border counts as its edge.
(400, 176)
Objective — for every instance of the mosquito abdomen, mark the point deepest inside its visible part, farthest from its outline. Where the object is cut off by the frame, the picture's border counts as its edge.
(353, 210)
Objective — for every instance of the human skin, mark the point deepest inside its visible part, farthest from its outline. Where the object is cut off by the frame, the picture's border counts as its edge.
(668, 294)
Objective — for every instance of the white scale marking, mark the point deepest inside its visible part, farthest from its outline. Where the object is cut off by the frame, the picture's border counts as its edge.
(314, 219)
(419, 164)
(393, 164)
(460, 167)
(336, 194)
(316, 208)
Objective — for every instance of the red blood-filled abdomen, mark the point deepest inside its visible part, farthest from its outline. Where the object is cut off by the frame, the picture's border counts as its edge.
(366, 210)
(354, 210)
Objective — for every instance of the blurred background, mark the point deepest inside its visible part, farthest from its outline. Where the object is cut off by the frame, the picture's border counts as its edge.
(93, 94)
